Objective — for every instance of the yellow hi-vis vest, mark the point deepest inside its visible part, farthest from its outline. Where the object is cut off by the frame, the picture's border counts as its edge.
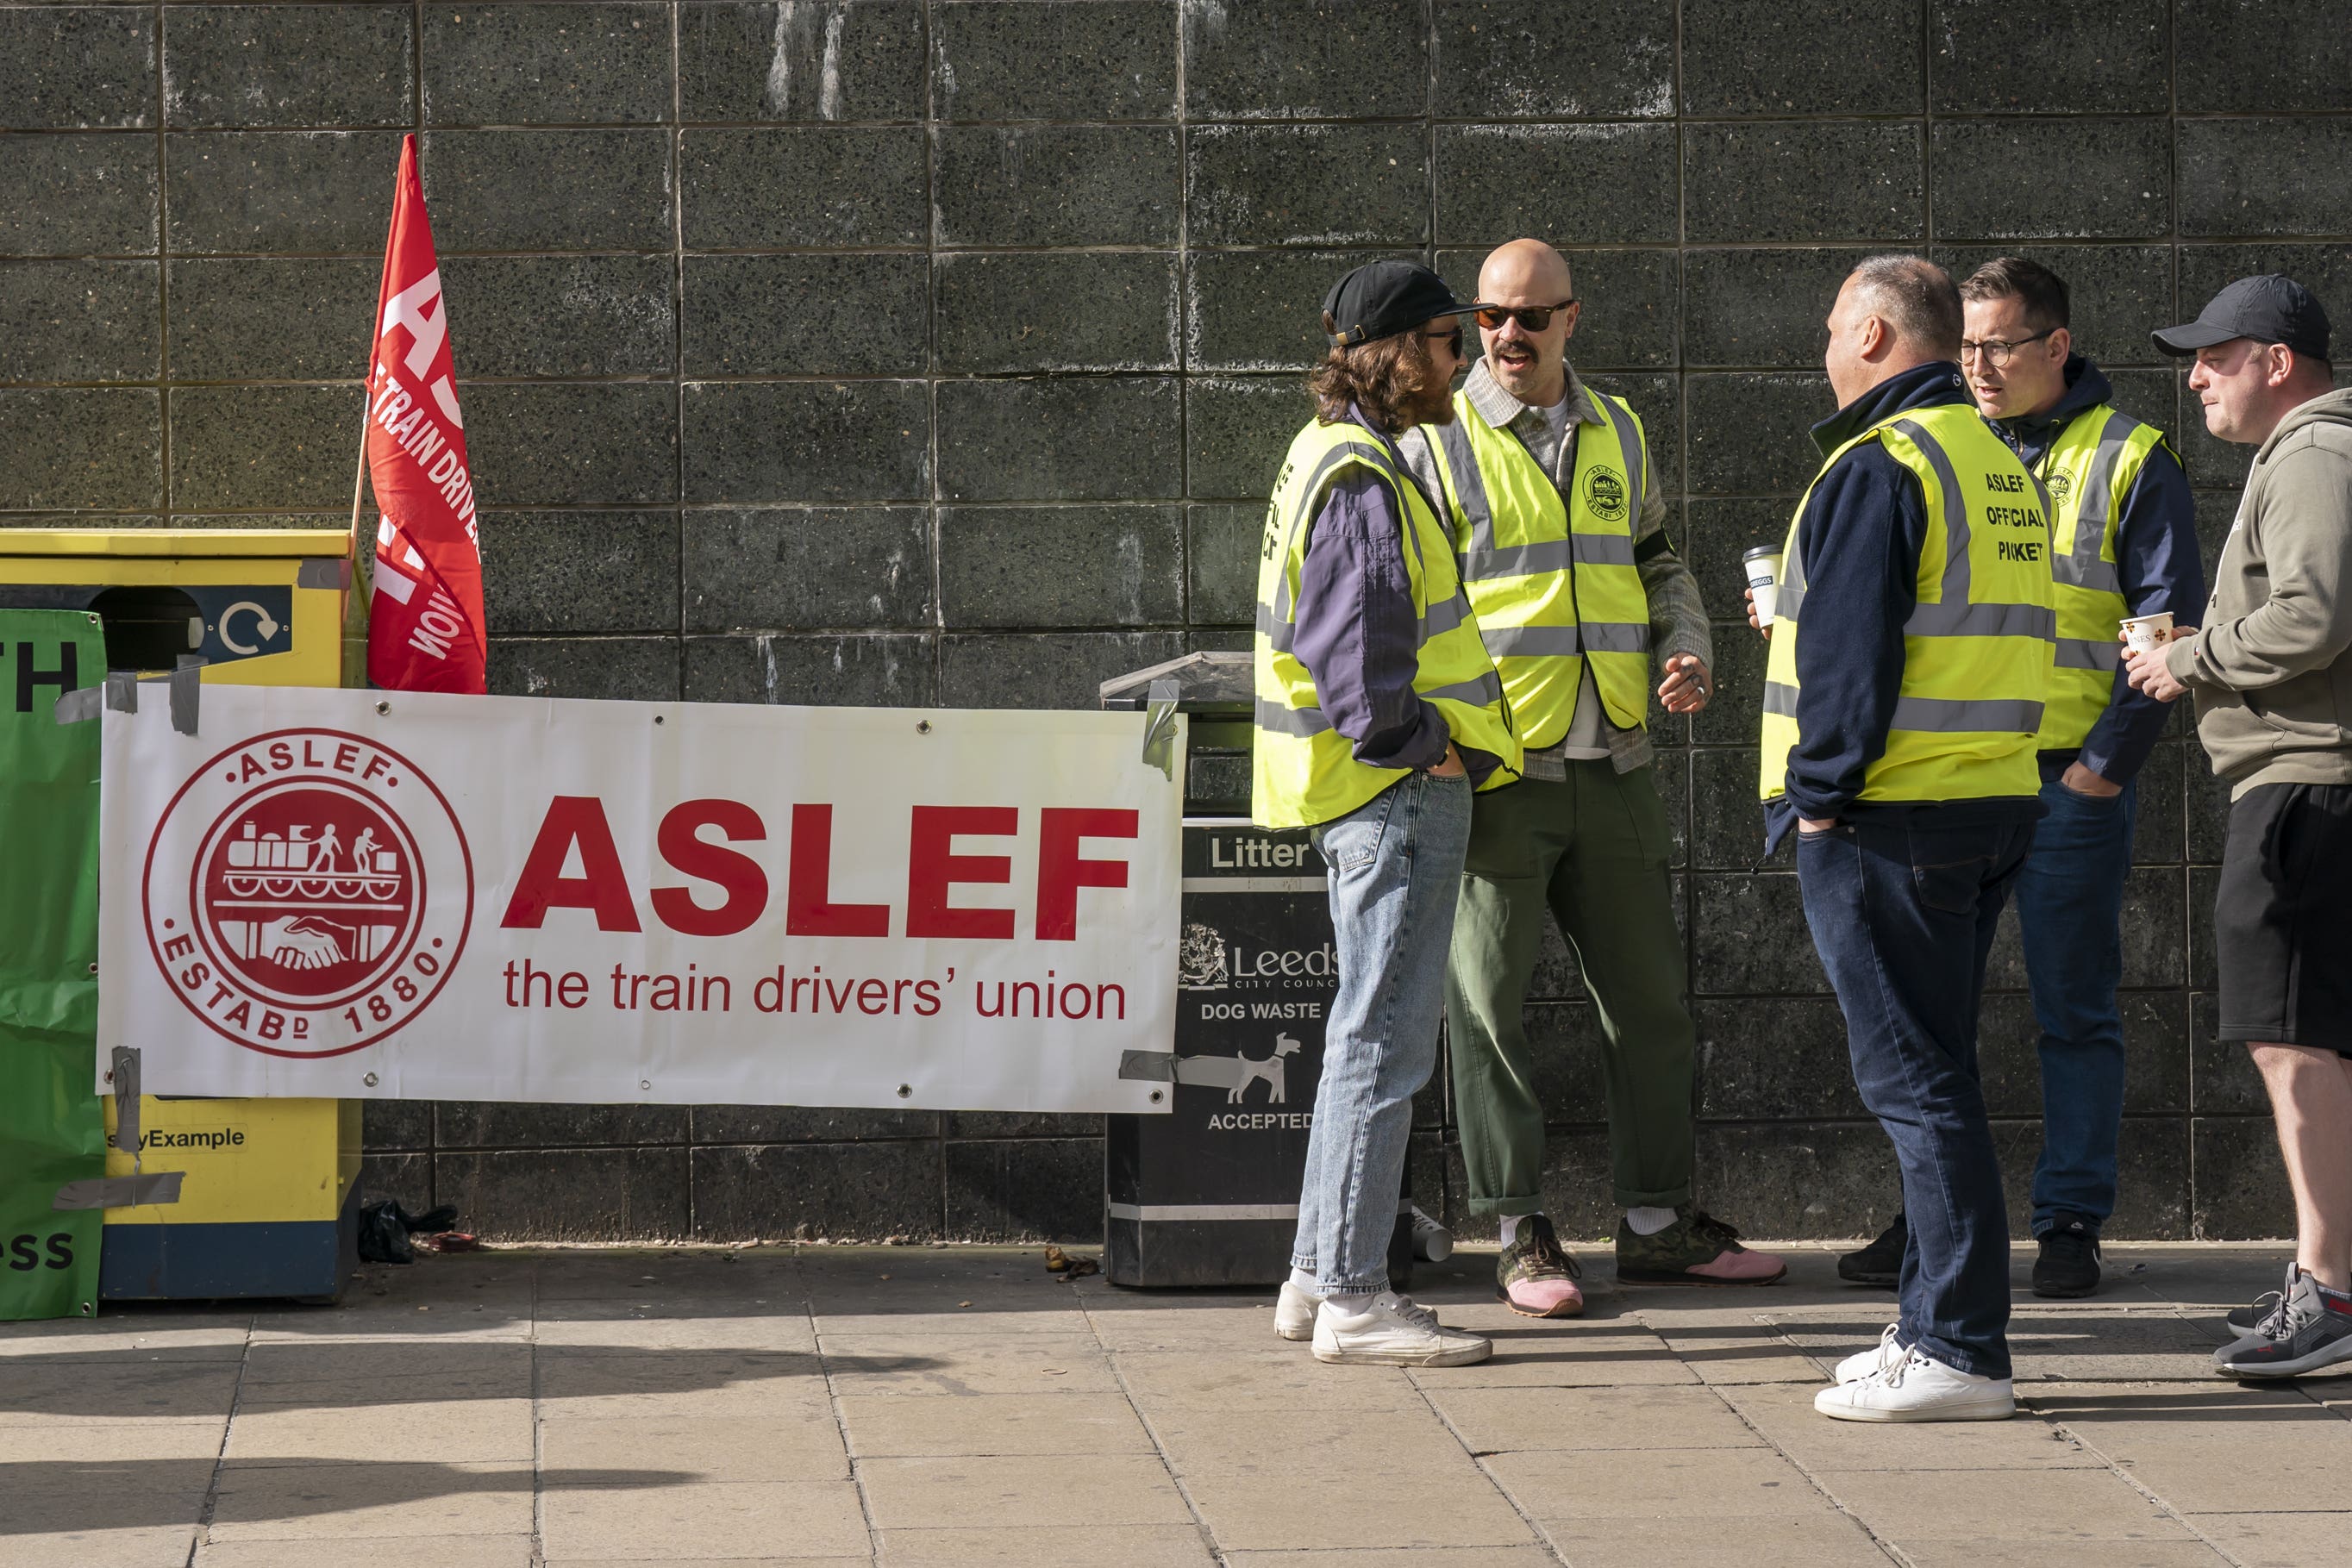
(1553, 583)
(2088, 471)
(1303, 772)
(1977, 651)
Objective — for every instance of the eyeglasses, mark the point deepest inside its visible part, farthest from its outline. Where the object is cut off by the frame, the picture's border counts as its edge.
(1995, 352)
(1532, 318)
(1453, 340)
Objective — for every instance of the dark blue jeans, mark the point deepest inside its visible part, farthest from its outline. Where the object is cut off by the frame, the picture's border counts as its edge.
(2070, 899)
(1903, 915)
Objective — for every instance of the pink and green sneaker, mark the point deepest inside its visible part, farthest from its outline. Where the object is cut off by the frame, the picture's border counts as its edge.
(1696, 1250)
(1535, 1277)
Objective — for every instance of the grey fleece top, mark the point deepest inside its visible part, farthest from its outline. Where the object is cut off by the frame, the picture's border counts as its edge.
(2273, 685)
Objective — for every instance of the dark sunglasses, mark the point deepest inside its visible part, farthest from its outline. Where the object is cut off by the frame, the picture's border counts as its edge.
(1532, 318)
(1451, 339)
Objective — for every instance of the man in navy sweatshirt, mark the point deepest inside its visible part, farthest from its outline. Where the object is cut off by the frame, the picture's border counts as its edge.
(2123, 543)
(1910, 662)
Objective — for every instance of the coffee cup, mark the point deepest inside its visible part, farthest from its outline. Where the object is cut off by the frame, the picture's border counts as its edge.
(2147, 634)
(1762, 566)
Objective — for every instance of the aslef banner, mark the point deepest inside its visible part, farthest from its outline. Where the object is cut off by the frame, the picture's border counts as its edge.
(429, 897)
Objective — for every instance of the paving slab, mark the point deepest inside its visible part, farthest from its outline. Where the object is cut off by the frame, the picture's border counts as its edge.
(380, 1552)
(1057, 1542)
(1019, 1491)
(472, 1431)
(2038, 1555)
(704, 1519)
(1271, 1371)
(104, 1393)
(1495, 1420)
(153, 1546)
(1269, 1505)
(888, 1426)
(2287, 1540)
(1530, 1556)
(708, 1447)
(967, 1364)
(2024, 1505)
(1826, 1540)
(342, 1502)
(1657, 1483)
(680, 1383)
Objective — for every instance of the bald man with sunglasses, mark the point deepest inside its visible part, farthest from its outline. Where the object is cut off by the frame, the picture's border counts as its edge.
(1553, 500)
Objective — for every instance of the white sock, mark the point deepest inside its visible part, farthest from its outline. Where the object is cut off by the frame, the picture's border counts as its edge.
(1353, 1303)
(1511, 1223)
(1649, 1221)
(1304, 1279)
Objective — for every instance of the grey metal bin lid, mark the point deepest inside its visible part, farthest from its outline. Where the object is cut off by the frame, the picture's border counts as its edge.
(1221, 683)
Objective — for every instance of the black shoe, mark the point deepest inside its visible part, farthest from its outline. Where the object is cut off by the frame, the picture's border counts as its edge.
(2305, 1335)
(1881, 1262)
(2069, 1264)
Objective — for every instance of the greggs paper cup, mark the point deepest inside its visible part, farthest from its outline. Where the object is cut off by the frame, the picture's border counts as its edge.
(1762, 566)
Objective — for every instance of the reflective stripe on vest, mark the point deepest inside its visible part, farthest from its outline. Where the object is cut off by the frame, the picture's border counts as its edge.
(1978, 645)
(2089, 470)
(1302, 771)
(1552, 576)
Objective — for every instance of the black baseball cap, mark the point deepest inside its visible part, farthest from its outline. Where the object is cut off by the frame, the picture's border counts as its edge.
(2269, 310)
(1382, 299)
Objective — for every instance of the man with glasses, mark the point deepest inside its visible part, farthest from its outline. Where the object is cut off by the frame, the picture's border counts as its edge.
(2123, 542)
(1378, 714)
(1555, 511)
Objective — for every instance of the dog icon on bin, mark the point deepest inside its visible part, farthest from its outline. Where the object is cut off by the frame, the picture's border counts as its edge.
(1236, 1073)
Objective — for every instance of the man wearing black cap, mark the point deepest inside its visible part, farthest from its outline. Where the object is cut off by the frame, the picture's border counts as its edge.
(1378, 714)
(2273, 687)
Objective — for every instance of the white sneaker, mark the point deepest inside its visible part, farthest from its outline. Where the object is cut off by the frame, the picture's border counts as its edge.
(1294, 1312)
(1432, 1243)
(1919, 1388)
(1863, 1363)
(1394, 1331)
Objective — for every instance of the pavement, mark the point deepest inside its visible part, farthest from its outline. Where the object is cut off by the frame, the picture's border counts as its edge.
(952, 1405)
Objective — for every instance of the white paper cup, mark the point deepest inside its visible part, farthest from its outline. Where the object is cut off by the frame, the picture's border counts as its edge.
(1762, 566)
(2147, 634)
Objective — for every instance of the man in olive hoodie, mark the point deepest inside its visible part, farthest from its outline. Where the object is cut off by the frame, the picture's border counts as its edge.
(2272, 682)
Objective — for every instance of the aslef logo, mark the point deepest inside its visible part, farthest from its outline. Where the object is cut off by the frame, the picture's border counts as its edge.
(308, 893)
(2061, 484)
(1604, 492)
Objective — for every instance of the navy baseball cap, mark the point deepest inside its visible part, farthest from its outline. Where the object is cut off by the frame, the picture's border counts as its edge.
(1382, 299)
(2270, 308)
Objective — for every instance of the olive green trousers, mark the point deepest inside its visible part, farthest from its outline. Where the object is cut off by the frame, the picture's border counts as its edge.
(1594, 851)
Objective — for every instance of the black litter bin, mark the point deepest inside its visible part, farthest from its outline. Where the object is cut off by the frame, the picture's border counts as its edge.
(1208, 1195)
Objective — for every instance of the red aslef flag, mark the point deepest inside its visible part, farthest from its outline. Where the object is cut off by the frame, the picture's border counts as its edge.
(426, 630)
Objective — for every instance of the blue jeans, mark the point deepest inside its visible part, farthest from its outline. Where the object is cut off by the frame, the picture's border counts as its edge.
(1903, 915)
(2070, 899)
(1394, 872)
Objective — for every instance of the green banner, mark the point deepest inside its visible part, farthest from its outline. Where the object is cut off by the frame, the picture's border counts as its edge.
(52, 1124)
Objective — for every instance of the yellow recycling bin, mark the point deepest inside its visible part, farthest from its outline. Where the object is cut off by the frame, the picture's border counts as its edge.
(269, 1205)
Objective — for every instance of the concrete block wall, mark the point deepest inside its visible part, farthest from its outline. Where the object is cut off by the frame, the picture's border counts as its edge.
(941, 351)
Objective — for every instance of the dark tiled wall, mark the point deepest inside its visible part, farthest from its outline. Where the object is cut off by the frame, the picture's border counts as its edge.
(915, 351)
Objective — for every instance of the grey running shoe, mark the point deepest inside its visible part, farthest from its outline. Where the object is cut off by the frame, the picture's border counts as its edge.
(2250, 1319)
(2305, 1335)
